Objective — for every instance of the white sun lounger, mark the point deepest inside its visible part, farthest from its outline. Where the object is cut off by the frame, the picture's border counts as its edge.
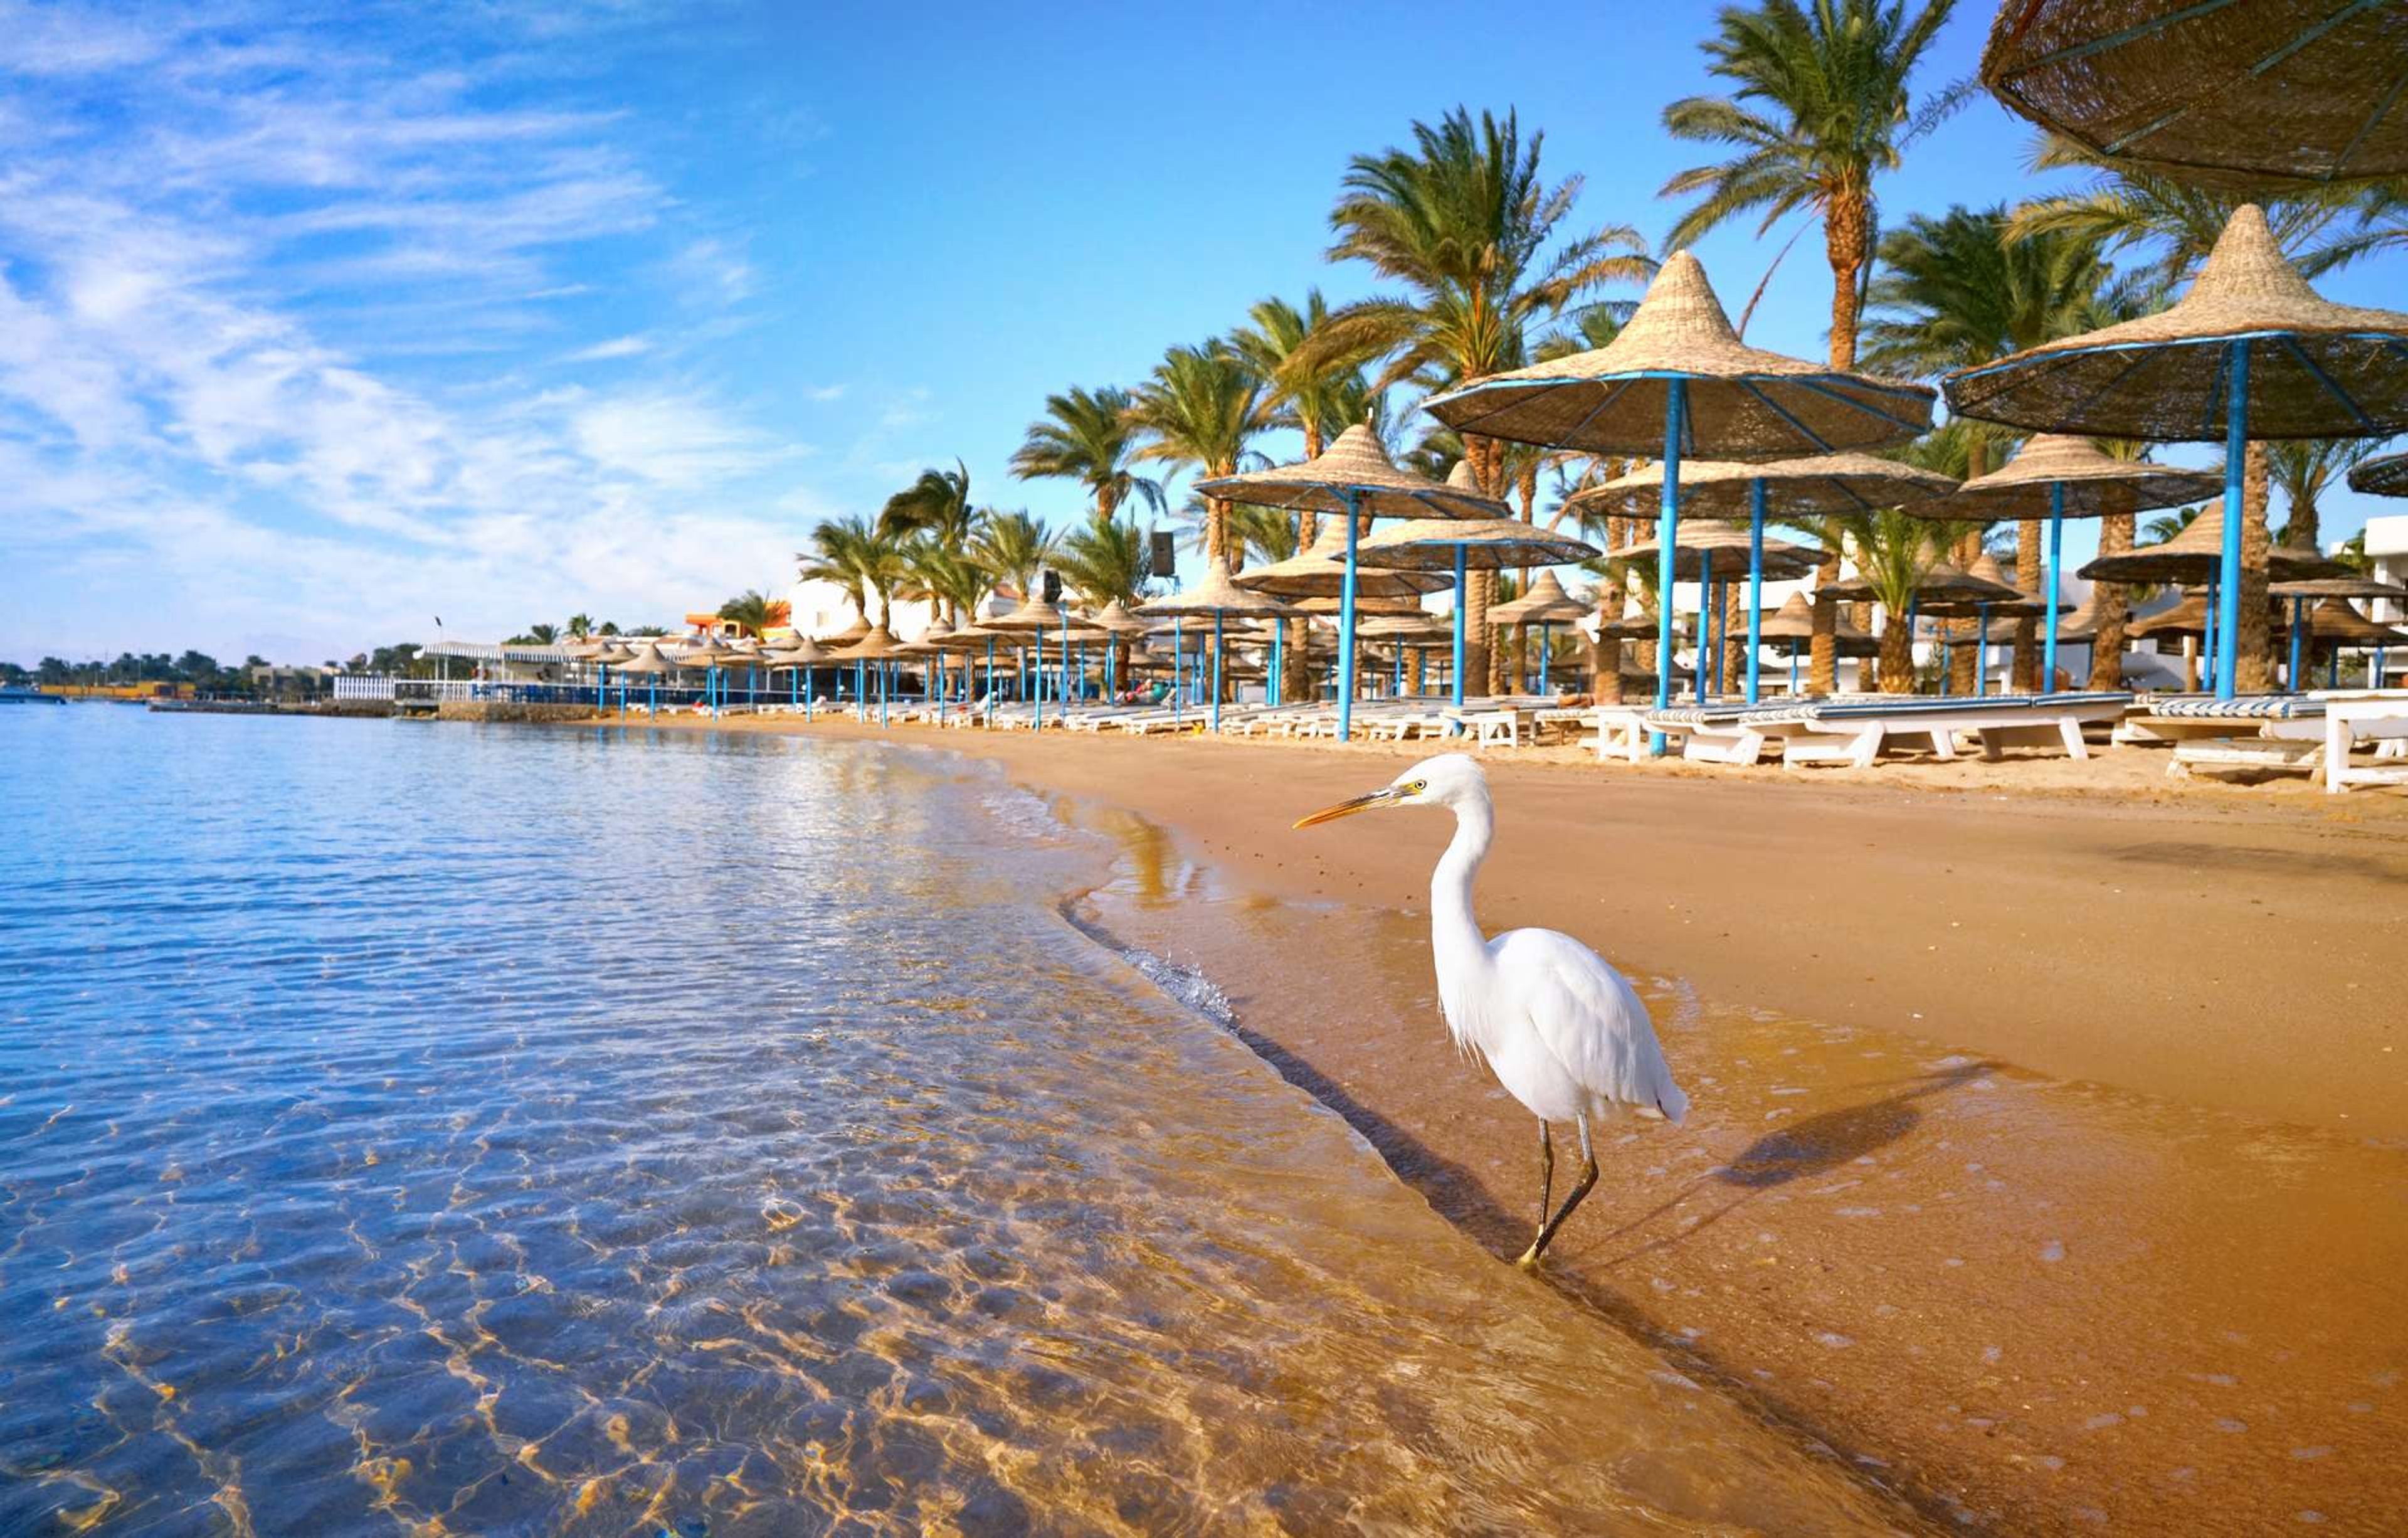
(1857, 729)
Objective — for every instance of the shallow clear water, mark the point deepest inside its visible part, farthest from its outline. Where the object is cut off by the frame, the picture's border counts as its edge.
(435, 1129)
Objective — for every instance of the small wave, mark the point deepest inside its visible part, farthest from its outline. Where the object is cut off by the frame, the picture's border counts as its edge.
(1182, 983)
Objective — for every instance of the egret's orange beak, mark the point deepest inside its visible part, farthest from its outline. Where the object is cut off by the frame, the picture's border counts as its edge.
(1347, 809)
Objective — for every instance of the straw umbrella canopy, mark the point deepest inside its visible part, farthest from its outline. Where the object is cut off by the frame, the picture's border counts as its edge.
(1318, 571)
(1426, 627)
(2186, 618)
(1940, 583)
(1115, 618)
(586, 649)
(2058, 476)
(877, 645)
(2385, 476)
(2333, 619)
(1676, 380)
(1546, 603)
(2250, 351)
(1794, 621)
(1546, 606)
(647, 660)
(1217, 595)
(1985, 568)
(1698, 541)
(613, 654)
(849, 635)
(2196, 555)
(1354, 477)
(2275, 90)
(2352, 586)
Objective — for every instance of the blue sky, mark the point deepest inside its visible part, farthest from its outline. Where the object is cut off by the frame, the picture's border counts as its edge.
(313, 326)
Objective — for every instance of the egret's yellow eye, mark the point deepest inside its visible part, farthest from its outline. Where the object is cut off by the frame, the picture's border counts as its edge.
(1417, 787)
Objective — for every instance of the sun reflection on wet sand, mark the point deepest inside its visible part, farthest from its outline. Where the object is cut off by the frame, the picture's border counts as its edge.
(675, 1169)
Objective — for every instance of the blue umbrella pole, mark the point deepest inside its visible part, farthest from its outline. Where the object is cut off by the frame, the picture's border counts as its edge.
(1178, 679)
(2049, 586)
(1459, 593)
(1346, 629)
(1705, 610)
(1216, 671)
(2236, 452)
(2294, 678)
(1755, 583)
(1667, 519)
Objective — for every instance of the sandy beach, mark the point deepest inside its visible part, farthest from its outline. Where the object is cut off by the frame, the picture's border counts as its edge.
(2014, 1089)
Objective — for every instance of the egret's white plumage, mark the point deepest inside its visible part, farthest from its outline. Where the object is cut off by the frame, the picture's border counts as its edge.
(1562, 1030)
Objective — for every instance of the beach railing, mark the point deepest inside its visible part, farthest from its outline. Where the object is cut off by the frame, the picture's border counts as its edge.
(364, 685)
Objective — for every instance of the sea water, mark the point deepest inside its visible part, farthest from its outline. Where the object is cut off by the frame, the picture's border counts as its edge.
(436, 1129)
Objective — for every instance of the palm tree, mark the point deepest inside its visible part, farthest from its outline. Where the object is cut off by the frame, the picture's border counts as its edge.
(1894, 550)
(1820, 108)
(838, 548)
(1311, 390)
(1106, 563)
(1201, 407)
(937, 504)
(949, 578)
(754, 611)
(2303, 469)
(1013, 549)
(1470, 232)
(544, 635)
(1085, 436)
(1956, 291)
(1263, 535)
(580, 626)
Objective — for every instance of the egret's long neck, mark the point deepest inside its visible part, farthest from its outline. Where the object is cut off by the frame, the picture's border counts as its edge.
(1454, 935)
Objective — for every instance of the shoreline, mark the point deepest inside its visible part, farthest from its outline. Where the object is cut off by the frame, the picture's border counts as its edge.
(2026, 1299)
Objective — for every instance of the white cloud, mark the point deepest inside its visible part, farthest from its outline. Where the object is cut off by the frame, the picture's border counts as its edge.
(225, 258)
(617, 346)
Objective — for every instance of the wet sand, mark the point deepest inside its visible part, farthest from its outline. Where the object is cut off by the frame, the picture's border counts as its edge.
(2047, 1158)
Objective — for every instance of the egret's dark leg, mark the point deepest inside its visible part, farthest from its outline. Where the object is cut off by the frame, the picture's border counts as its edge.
(1529, 1260)
(1546, 1169)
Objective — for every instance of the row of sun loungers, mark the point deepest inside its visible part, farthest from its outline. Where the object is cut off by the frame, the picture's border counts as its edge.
(1857, 729)
(2311, 733)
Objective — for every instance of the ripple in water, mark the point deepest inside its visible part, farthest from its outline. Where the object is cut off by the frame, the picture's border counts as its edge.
(467, 1130)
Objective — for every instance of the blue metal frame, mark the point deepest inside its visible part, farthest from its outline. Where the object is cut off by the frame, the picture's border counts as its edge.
(1667, 521)
(1345, 627)
(2236, 450)
(1755, 583)
(1461, 562)
(2049, 587)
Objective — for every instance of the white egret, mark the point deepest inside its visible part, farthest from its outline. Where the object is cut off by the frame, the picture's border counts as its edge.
(1562, 1030)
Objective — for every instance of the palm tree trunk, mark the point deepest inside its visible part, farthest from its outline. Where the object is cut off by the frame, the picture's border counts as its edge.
(2112, 603)
(1216, 531)
(2252, 672)
(1487, 458)
(1605, 653)
(2027, 577)
(1896, 656)
(1846, 221)
(1861, 616)
(1822, 663)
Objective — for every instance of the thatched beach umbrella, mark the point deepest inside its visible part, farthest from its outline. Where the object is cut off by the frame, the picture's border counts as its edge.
(2334, 619)
(2056, 476)
(2023, 605)
(2250, 344)
(1678, 380)
(1319, 571)
(1546, 606)
(1702, 544)
(799, 655)
(1464, 545)
(1033, 617)
(877, 645)
(2384, 476)
(1217, 595)
(646, 662)
(1811, 486)
(1354, 478)
(2270, 90)
(1794, 622)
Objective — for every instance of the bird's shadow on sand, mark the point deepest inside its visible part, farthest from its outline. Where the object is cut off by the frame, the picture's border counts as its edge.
(1818, 1143)
(1825, 1141)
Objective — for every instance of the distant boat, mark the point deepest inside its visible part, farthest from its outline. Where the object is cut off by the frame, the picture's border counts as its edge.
(18, 694)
